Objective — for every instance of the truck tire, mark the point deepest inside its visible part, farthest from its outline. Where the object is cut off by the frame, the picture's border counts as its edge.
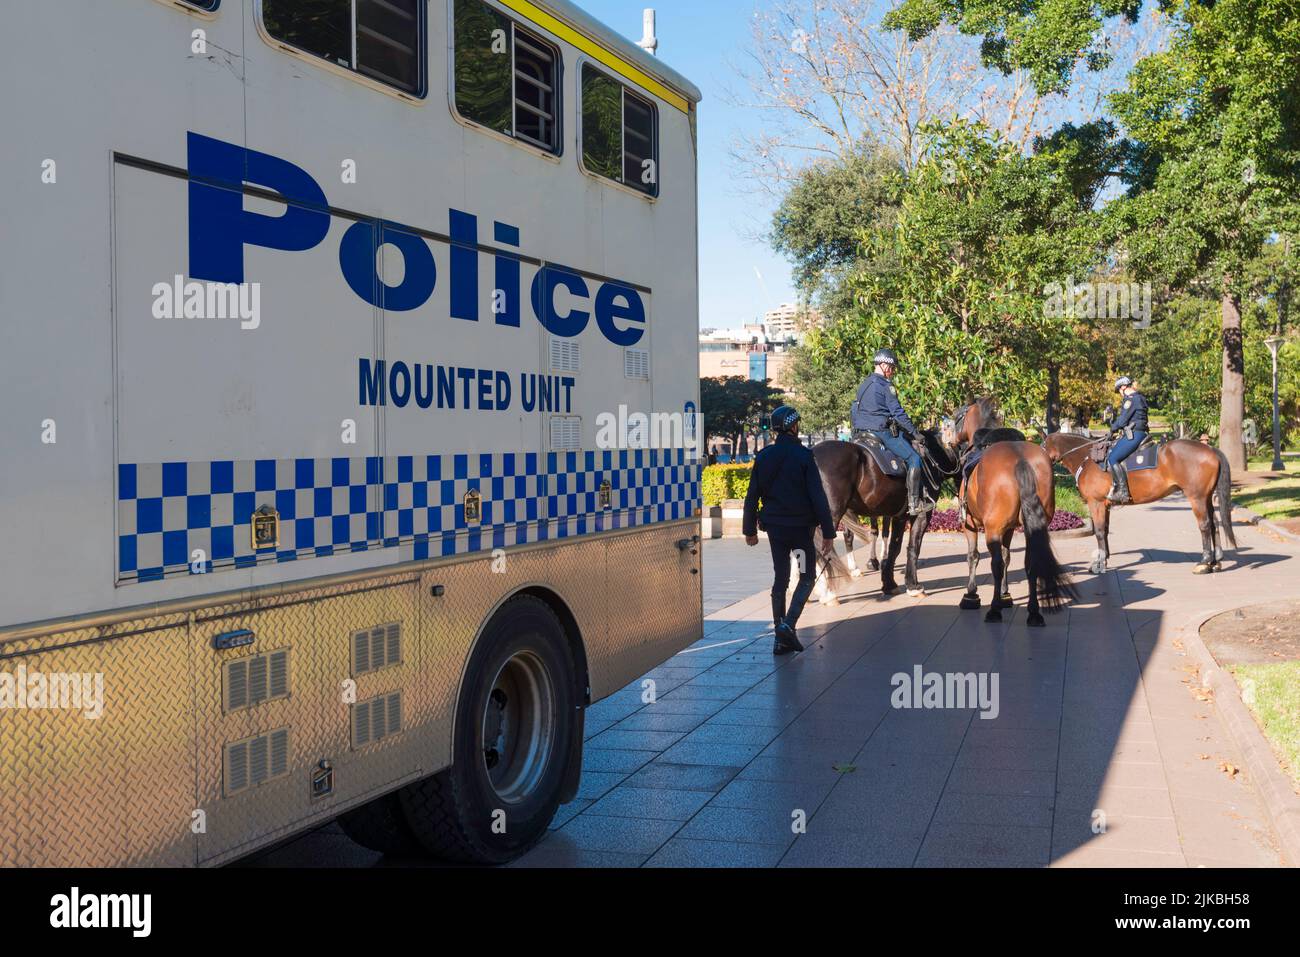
(381, 826)
(513, 743)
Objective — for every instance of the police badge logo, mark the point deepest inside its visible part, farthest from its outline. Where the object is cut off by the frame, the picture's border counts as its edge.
(1128, 404)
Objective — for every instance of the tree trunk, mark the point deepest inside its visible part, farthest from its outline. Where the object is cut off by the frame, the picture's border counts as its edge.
(1053, 398)
(1233, 408)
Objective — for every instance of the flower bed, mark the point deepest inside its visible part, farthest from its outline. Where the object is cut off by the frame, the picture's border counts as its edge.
(946, 520)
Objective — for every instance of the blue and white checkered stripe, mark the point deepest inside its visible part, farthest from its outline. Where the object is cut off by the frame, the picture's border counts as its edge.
(167, 512)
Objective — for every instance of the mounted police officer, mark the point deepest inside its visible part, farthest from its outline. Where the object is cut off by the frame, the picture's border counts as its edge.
(1132, 427)
(786, 480)
(878, 411)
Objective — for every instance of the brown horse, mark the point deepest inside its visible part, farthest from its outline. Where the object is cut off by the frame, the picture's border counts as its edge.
(981, 416)
(855, 486)
(1012, 486)
(1198, 470)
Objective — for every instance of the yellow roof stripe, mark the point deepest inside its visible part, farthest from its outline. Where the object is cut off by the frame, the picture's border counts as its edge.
(593, 49)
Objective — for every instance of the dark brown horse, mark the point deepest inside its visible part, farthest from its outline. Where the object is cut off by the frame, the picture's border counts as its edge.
(1198, 470)
(856, 487)
(1010, 487)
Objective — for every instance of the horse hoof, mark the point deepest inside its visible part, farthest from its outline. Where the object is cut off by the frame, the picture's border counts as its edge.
(1007, 601)
(874, 565)
(970, 603)
(1035, 620)
(856, 573)
(1203, 569)
(916, 593)
(993, 616)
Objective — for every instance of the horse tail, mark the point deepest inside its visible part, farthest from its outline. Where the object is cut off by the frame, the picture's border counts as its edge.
(1054, 586)
(1224, 490)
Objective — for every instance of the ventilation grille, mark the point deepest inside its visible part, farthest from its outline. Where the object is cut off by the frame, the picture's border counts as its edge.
(566, 355)
(376, 719)
(253, 762)
(376, 649)
(636, 363)
(250, 681)
(566, 433)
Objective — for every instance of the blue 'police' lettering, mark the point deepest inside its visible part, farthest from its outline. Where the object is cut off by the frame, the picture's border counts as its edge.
(572, 324)
(220, 227)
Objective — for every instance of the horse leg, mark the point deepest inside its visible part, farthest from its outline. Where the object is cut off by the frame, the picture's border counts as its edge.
(1216, 538)
(1007, 538)
(1101, 528)
(999, 571)
(854, 570)
(1205, 522)
(877, 548)
(1035, 617)
(971, 600)
(888, 584)
(919, 525)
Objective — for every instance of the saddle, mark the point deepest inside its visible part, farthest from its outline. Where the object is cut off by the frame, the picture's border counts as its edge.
(885, 460)
(1145, 456)
(985, 438)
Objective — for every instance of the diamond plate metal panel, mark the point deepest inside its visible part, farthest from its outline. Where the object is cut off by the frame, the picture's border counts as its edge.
(123, 788)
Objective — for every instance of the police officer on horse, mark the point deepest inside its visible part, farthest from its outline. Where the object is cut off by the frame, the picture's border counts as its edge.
(1132, 427)
(877, 411)
(787, 482)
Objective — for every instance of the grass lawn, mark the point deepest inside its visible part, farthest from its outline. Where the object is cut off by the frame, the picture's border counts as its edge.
(1272, 692)
(1278, 499)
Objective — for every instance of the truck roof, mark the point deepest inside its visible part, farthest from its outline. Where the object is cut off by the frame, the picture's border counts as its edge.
(585, 23)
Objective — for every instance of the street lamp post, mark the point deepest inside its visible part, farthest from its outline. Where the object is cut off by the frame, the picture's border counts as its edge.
(1274, 343)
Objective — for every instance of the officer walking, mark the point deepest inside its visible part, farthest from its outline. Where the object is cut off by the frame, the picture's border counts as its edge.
(787, 482)
(1133, 425)
(878, 411)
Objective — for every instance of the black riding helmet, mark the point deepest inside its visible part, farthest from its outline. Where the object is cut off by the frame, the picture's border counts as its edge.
(785, 418)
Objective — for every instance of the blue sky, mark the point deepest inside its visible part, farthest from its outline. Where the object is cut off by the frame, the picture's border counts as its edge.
(702, 40)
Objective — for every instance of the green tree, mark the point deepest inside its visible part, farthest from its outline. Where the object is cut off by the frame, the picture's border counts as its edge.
(1215, 118)
(821, 220)
(732, 405)
(957, 284)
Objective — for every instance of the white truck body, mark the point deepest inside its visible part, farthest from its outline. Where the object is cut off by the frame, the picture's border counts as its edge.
(237, 277)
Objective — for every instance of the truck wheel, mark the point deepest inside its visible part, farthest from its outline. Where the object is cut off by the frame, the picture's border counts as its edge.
(514, 739)
(381, 826)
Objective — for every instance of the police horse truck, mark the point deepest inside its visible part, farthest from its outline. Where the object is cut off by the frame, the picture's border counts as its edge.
(314, 317)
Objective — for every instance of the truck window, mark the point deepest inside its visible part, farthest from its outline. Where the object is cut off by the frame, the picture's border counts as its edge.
(619, 133)
(381, 39)
(507, 78)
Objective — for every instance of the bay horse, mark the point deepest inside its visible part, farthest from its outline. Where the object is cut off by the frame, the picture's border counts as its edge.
(1198, 470)
(1012, 486)
(855, 486)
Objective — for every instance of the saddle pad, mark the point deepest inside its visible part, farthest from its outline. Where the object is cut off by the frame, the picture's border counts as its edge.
(1146, 457)
(886, 461)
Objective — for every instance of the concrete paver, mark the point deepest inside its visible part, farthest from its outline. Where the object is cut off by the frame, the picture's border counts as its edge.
(1102, 753)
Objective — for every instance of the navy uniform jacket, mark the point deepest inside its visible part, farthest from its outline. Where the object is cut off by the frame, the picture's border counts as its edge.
(1133, 415)
(878, 403)
(787, 481)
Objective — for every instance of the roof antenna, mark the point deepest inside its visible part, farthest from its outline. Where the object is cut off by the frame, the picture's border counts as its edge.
(649, 42)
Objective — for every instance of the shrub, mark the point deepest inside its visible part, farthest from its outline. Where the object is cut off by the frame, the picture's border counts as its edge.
(722, 482)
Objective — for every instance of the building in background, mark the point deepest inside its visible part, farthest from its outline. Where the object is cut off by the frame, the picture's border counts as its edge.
(790, 321)
(759, 351)
(749, 352)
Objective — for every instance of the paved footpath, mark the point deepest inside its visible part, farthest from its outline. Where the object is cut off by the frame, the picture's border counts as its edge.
(1099, 722)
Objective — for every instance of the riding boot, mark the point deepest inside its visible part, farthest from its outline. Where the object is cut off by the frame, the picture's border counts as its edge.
(916, 501)
(778, 610)
(1119, 493)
